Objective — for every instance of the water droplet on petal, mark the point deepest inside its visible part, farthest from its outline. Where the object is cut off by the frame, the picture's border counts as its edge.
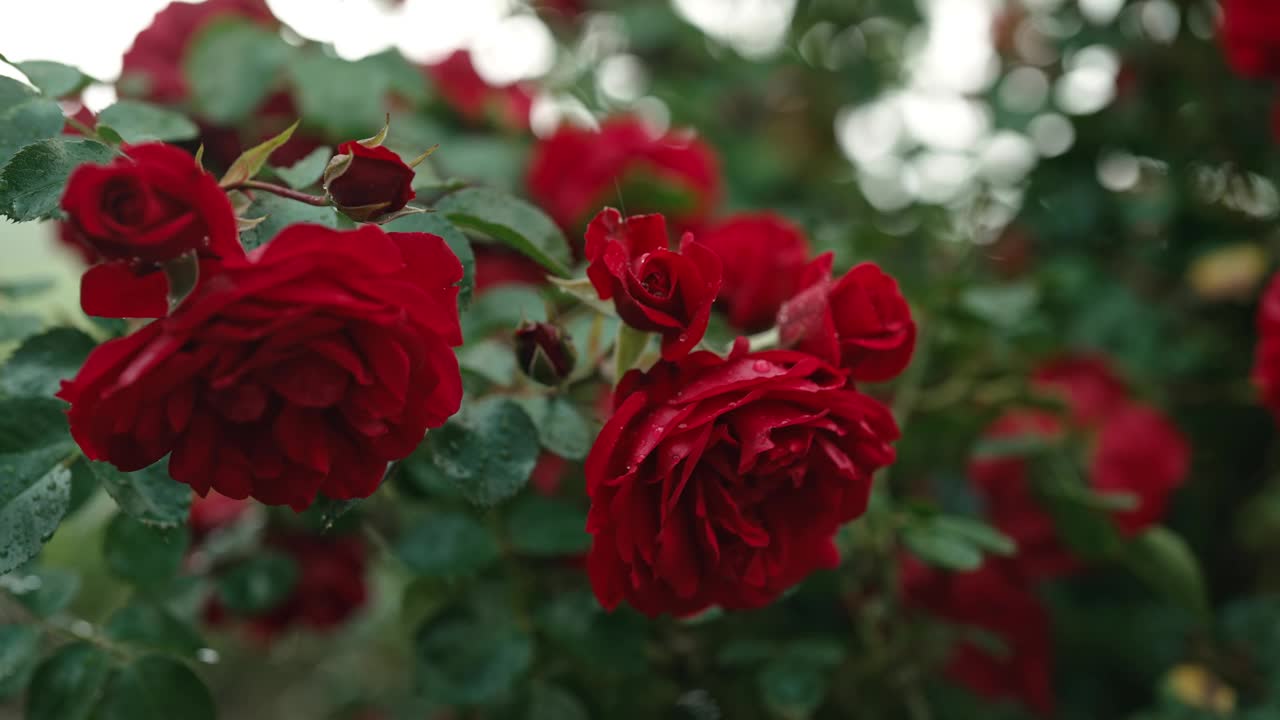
(762, 365)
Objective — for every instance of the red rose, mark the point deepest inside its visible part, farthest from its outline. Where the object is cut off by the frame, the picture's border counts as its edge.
(653, 288)
(721, 481)
(304, 368)
(860, 321)
(214, 512)
(155, 58)
(1251, 37)
(473, 98)
(330, 587)
(576, 171)
(547, 474)
(373, 183)
(763, 256)
(1266, 358)
(1133, 451)
(497, 266)
(153, 205)
(1015, 659)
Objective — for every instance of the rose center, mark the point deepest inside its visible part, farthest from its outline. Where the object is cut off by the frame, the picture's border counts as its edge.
(657, 283)
(125, 202)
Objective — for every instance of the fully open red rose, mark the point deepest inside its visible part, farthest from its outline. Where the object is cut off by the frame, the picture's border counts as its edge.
(1266, 357)
(304, 368)
(653, 288)
(860, 321)
(330, 588)
(472, 97)
(721, 481)
(153, 204)
(1251, 36)
(763, 256)
(1010, 654)
(375, 182)
(576, 171)
(1133, 450)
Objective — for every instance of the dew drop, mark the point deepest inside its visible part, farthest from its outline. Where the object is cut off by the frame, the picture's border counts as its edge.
(762, 365)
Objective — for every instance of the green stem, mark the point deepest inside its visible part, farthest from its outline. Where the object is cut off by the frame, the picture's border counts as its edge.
(316, 200)
(766, 340)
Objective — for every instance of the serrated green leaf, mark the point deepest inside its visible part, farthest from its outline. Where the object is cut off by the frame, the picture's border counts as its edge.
(34, 486)
(149, 626)
(251, 161)
(138, 122)
(1163, 560)
(25, 117)
(38, 366)
(149, 495)
(468, 662)
(447, 545)
(488, 450)
(19, 651)
(260, 583)
(281, 213)
(31, 183)
(562, 428)
(140, 554)
(54, 79)
(511, 222)
(67, 685)
(341, 98)
(547, 527)
(307, 171)
(231, 67)
(548, 702)
(436, 225)
(156, 688)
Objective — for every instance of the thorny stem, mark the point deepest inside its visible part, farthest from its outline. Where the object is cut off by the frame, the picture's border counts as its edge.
(316, 200)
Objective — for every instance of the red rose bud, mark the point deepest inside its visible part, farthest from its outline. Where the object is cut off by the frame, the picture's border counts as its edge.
(1008, 649)
(306, 367)
(860, 321)
(545, 353)
(722, 481)
(653, 288)
(152, 205)
(763, 256)
(368, 183)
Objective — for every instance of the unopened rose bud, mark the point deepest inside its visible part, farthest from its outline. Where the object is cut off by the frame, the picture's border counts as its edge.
(368, 183)
(544, 352)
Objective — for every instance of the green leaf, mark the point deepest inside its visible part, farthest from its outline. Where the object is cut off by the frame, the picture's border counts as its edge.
(31, 183)
(548, 702)
(281, 213)
(251, 161)
(343, 99)
(548, 527)
(976, 532)
(26, 287)
(1163, 560)
(260, 583)
(1003, 306)
(491, 359)
(792, 689)
(34, 486)
(436, 225)
(45, 591)
(488, 450)
(54, 79)
(25, 117)
(19, 327)
(83, 484)
(42, 362)
(149, 495)
(941, 549)
(630, 346)
(19, 651)
(156, 688)
(501, 309)
(1013, 446)
(231, 66)
(67, 685)
(149, 626)
(403, 77)
(141, 554)
(307, 171)
(137, 122)
(447, 545)
(469, 662)
(562, 428)
(512, 222)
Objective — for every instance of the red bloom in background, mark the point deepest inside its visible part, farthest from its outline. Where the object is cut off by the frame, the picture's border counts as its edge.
(304, 368)
(653, 288)
(374, 183)
(151, 205)
(1251, 37)
(576, 171)
(721, 481)
(860, 321)
(1015, 660)
(474, 99)
(497, 266)
(214, 512)
(763, 256)
(1266, 358)
(155, 58)
(1134, 450)
(329, 590)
